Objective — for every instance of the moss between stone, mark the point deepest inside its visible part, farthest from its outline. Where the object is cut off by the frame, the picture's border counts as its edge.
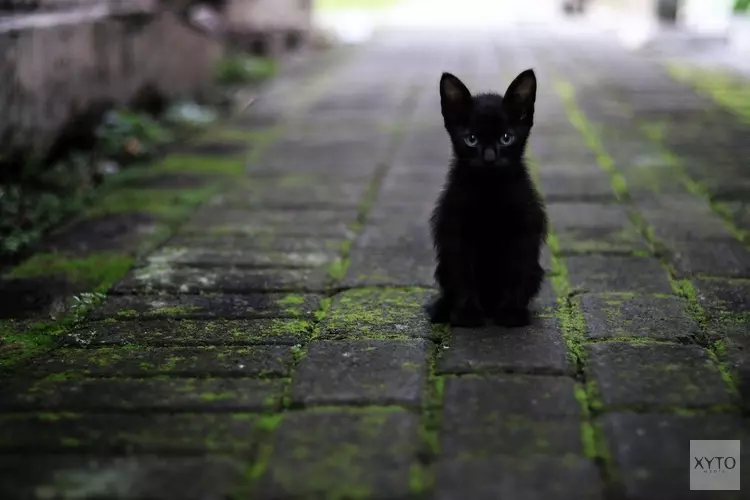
(173, 311)
(57, 416)
(19, 343)
(572, 325)
(587, 131)
(682, 288)
(213, 396)
(281, 327)
(422, 475)
(569, 314)
(729, 91)
(200, 165)
(168, 203)
(268, 424)
(337, 269)
(698, 189)
(339, 266)
(622, 241)
(227, 133)
(378, 313)
(325, 305)
(97, 271)
(336, 272)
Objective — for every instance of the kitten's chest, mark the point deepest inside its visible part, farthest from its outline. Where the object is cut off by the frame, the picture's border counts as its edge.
(483, 214)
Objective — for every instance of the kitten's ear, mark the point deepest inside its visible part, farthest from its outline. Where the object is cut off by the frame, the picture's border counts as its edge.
(455, 98)
(521, 95)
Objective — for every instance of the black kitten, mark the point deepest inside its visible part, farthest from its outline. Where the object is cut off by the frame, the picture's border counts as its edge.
(489, 223)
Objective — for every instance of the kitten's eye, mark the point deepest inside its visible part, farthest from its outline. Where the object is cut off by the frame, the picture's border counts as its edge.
(507, 139)
(471, 140)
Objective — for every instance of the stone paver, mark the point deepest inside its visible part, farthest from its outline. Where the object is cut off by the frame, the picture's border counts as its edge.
(509, 477)
(536, 349)
(343, 454)
(510, 415)
(276, 345)
(168, 478)
(654, 375)
(649, 451)
(626, 315)
(378, 372)
(594, 227)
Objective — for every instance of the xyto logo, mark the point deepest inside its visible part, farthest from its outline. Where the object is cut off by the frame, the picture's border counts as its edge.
(714, 465)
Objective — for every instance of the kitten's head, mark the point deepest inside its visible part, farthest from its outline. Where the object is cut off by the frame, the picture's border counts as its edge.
(488, 130)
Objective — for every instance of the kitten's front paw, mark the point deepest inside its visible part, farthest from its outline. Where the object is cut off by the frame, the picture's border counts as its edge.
(512, 318)
(467, 317)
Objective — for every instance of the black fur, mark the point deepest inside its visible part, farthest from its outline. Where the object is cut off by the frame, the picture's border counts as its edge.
(489, 223)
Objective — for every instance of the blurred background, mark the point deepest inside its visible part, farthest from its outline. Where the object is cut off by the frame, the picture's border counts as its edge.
(120, 77)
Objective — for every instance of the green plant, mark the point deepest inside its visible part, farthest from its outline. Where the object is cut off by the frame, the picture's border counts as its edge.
(35, 196)
(39, 199)
(125, 135)
(742, 5)
(237, 69)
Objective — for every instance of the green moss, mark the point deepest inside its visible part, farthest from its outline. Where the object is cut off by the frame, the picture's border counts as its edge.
(378, 313)
(337, 269)
(421, 479)
(716, 353)
(325, 305)
(624, 240)
(422, 476)
(292, 299)
(269, 423)
(682, 288)
(275, 328)
(570, 315)
(718, 87)
(432, 412)
(573, 328)
(298, 352)
(171, 204)
(588, 439)
(183, 164)
(97, 270)
(685, 289)
(227, 133)
(20, 343)
(178, 310)
(591, 137)
(57, 416)
(654, 130)
(336, 469)
(69, 442)
(290, 302)
(726, 89)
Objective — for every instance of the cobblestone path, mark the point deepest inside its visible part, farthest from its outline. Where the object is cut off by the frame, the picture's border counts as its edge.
(275, 347)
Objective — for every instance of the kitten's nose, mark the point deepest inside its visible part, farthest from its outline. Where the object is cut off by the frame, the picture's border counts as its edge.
(489, 154)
